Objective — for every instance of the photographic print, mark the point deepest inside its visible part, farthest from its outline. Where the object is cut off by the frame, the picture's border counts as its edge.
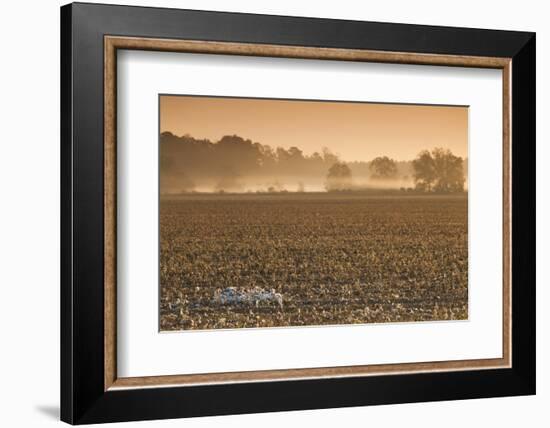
(287, 213)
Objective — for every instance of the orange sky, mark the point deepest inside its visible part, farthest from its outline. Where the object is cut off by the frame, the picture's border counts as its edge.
(355, 131)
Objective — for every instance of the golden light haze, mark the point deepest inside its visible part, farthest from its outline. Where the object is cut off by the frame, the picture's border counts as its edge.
(353, 130)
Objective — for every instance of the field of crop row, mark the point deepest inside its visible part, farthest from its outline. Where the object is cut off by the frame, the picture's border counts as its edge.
(259, 260)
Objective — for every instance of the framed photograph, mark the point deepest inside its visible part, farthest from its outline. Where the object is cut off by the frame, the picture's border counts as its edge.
(265, 213)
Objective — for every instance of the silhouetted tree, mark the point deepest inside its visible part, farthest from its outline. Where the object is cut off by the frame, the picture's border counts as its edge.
(424, 171)
(338, 177)
(383, 167)
(449, 171)
(438, 171)
(329, 157)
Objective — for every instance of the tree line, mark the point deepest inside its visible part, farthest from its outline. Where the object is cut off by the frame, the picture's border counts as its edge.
(187, 163)
(437, 171)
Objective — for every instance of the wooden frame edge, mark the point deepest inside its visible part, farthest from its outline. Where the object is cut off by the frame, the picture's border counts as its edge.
(507, 213)
(112, 43)
(299, 374)
(109, 176)
(301, 52)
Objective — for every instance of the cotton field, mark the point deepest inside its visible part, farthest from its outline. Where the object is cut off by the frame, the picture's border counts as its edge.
(300, 259)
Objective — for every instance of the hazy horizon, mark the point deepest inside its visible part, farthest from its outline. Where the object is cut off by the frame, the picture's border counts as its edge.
(247, 144)
(355, 131)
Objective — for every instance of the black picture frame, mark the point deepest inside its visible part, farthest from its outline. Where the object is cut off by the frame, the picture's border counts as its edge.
(83, 398)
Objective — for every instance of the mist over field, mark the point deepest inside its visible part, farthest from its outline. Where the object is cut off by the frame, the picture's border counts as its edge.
(238, 165)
